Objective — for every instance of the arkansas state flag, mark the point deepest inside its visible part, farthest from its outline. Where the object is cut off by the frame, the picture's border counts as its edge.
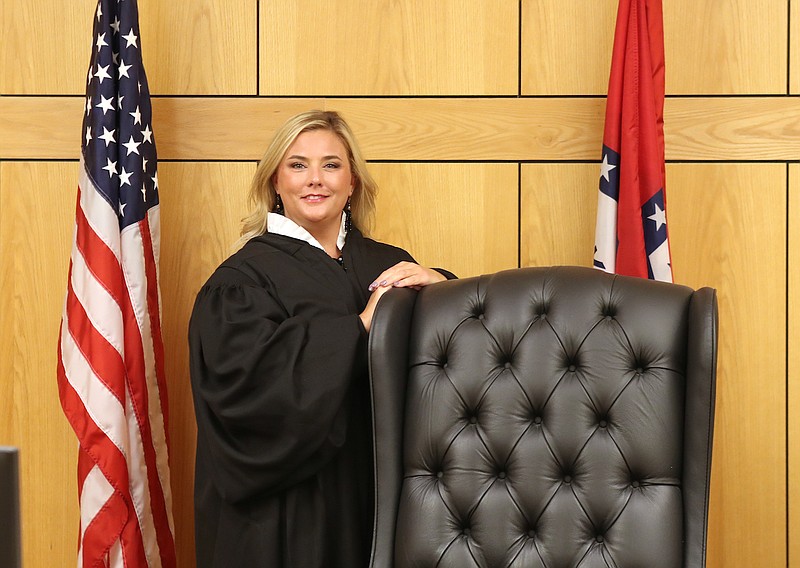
(631, 232)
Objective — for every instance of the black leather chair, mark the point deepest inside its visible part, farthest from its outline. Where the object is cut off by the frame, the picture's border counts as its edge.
(543, 417)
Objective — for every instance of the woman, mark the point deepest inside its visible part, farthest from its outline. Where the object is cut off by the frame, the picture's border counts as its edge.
(278, 341)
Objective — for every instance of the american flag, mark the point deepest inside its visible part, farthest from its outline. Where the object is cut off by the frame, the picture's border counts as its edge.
(631, 232)
(110, 371)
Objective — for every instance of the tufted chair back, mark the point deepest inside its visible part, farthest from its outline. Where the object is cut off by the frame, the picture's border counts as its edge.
(543, 417)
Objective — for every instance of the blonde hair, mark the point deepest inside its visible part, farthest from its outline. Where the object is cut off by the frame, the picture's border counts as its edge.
(262, 197)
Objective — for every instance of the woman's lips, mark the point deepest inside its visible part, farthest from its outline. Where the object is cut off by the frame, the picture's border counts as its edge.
(314, 198)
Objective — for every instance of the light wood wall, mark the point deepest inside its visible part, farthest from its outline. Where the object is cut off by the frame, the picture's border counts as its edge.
(483, 123)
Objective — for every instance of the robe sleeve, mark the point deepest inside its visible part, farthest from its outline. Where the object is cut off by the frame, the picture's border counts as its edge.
(270, 390)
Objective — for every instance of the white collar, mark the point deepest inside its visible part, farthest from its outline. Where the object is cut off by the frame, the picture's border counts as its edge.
(280, 225)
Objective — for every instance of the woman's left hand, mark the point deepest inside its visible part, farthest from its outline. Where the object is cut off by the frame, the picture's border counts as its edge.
(407, 275)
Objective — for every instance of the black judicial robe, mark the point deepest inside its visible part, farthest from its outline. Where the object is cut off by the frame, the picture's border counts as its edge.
(283, 475)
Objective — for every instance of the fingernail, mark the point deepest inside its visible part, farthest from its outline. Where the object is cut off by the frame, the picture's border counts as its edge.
(372, 287)
(384, 283)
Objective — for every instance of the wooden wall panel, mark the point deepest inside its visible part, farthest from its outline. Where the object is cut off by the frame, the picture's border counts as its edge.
(741, 128)
(462, 217)
(387, 129)
(41, 127)
(728, 231)
(32, 61)
(558, 212)
(557, 35)
(37, 212)
(714, 47)
(384, 47)
(184, 129)
(476, 129)
(794, 49)
(200, 47)
(211, 45)
(201, 207)
(793, 359)
(710, 47)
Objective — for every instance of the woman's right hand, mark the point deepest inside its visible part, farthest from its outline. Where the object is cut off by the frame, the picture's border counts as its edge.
(369, 311)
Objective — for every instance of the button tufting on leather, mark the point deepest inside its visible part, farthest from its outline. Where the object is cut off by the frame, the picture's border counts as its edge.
(444, 408)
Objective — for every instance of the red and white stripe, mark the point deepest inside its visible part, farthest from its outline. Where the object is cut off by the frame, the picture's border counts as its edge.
(112, 389)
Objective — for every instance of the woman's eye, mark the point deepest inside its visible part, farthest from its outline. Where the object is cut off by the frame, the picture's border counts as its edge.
(297, 165)
(332, 166)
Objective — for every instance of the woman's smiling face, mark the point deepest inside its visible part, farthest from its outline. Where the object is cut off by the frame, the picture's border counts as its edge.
(314, 180)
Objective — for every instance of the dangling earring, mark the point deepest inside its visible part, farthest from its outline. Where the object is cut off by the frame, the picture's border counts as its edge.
(278, 205)
(348, 217)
